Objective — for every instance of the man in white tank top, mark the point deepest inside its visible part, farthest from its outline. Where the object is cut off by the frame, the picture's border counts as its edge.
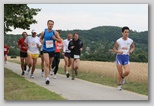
(124, 46)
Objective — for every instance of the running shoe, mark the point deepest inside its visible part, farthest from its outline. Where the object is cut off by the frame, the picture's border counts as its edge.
(73, 77)
(42, 74)
(119, 88)
(27, 72)
(76, 72)
(55, 77)
(47, 81)
(23, 73)
(67, 75)
(51, 72)
(123, 81)
(32, 76)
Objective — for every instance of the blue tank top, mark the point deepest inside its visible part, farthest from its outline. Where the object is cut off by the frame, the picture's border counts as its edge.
(49, 42)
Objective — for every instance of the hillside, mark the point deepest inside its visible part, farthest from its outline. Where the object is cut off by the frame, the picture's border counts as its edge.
(98, 43)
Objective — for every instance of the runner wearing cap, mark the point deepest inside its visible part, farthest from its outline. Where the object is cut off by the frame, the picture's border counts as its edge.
(34, 45)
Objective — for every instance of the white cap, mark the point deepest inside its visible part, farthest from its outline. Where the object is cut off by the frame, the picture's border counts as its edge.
(34, 31)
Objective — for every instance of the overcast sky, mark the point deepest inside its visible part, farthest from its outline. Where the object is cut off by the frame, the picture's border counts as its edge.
(87, 16)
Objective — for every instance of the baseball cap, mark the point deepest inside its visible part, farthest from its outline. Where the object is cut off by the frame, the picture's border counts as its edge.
(34, 31)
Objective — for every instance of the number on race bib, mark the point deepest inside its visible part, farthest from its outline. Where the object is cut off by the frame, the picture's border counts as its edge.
(49, 44)
(59, 46)
(76, 56)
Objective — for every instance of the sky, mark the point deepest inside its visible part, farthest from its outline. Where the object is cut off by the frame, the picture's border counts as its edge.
(87, 16)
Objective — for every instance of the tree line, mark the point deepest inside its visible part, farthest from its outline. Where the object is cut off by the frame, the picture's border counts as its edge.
(98, 43)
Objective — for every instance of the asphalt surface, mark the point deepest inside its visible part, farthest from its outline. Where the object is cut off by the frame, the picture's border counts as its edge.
(77, 89)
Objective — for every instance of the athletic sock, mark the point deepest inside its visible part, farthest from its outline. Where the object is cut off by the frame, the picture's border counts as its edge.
(42, 70)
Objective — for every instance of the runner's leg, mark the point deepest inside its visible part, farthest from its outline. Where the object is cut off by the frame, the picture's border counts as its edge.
(22, 63)
(34, 65)
(120, 73)
(46, 60)
(57, 60)
(72, 68)
(126, 70)
(66, 64)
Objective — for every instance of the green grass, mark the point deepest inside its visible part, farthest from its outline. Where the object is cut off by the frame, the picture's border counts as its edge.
(141, 88)
(17, 88)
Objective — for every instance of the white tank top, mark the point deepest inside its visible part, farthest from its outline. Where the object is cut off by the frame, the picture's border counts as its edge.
(124, 45)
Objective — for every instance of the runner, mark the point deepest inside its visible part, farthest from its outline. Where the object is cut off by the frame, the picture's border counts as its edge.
(55, 63)
(34, 45)
(67, 54)
(124, 46)
(76, 47)
(23, 52)
(42, 60)
(48, 38)
(6, 51)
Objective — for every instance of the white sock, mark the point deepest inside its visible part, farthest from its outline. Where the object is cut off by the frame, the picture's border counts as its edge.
(47, 78)
(66, 72)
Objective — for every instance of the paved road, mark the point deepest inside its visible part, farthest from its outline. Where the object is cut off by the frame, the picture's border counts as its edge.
(78, 89)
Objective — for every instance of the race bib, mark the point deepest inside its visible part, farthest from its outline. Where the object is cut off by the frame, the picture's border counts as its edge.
(5, 49)
(59, 46)
(125, 49)
(49, 43)
(76, 56)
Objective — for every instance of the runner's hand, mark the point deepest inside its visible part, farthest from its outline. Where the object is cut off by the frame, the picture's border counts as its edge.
(130, 52)
(120, 52)
(81, 49)
(72, 47)
(63, 54)
(37, 45)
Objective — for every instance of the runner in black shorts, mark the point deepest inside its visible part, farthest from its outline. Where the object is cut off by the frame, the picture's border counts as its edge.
(76, 47)
(42, 61)
(67, 54)
(23, 52)
(48, 38)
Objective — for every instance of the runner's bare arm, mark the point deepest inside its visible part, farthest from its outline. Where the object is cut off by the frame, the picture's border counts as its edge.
(115, 48)
(57, 37)
(41, 37)
(19, 46)
(132, 48)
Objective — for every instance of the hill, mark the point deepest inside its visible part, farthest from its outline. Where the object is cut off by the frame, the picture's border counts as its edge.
(98, 43)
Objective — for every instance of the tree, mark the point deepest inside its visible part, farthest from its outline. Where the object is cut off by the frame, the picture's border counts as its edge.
(18, 16)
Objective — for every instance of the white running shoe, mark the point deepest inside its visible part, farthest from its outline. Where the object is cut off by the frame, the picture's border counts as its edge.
(51, 72)
(55, 77)
(32, 76)
(27, 72)
(47, 81)
(119, 88)
(42, 74)
(123, 81)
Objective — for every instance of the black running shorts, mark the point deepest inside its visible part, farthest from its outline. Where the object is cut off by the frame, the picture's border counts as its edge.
(23, 54)
(51, 54)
